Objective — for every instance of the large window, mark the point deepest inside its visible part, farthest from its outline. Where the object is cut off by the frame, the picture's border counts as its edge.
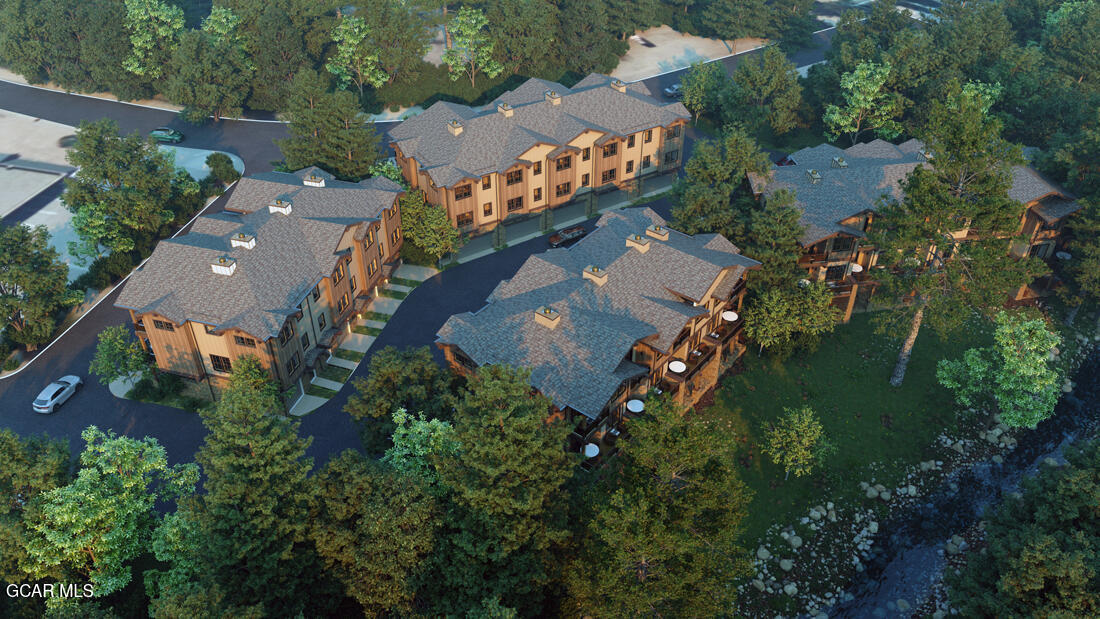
(538, 169)
(629, 167)
(630, 141)
(464, 219)
(305, 340)
(244, 341)
(487, 182)
(317, 289)
(463, 191)
(608, 175)
(321, 321)
(351, 283)
(611, 150)
(293, 363)
(842, 243)
(338, 274)
(372, 267)
(563, 189)
(286, 333)
(515, 204)
(164, 326)
(487, 209)
(221, 364)
(564, 163)
(586, 154)
(538, 194)
(670, 156)
(835, 273)
(648, 136)
(646, 162)
(396, 236)
(342, 303)
(513, 177)
(584, 180)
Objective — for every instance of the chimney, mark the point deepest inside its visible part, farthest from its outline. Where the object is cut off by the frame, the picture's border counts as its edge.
(595, 274)
(658, 232)
(618, 84)
(926, 154)
(839, 162)
(455, 127)
(505, 109)
(815, 176)
(224, 265)
(247, 241)
(279, 206)
(553, 97)
(547, 316)
(314, 181)
(638, 242)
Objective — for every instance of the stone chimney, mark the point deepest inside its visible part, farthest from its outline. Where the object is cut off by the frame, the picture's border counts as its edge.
(638, 242)
(553, 97)
(225, 265)
(455, 127)
(618, 84)
(658, 232)
(247, 241)
(505, 109)
(595, 273)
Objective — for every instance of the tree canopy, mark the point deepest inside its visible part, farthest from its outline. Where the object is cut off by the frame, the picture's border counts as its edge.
(32, 285)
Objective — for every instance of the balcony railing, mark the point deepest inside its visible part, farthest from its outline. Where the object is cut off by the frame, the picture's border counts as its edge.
(808, 259)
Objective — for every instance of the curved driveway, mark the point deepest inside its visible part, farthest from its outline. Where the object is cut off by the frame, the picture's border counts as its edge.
(459, 289)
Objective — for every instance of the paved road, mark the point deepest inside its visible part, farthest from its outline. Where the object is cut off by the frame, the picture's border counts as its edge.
(462, 288)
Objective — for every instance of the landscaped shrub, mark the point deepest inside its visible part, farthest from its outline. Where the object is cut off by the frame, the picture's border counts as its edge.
(118, 265)
(413, 254)
(221, 168)
(11, 364)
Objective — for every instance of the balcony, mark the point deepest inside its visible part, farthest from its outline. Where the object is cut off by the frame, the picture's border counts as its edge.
(723, 332)
(812, 259)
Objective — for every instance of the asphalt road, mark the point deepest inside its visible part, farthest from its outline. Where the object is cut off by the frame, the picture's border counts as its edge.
(462, 288)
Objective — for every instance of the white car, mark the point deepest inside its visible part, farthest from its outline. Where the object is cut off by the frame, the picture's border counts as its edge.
(56, 393)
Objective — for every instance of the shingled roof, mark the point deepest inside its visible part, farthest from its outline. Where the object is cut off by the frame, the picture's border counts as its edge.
(873, 170)
(291, 252)
(580, 363)
(491, 142)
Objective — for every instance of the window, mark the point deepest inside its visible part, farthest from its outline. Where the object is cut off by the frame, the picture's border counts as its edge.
(338, 274)
(164, 326)
(293, 363)
(372, 267)
(396, 236)
(646, 162)
(648, 136)
(342, 303)
(1039, 251)
(562, 189)
(842, 243)
(286, 333)
(351, 282)
(244, 341)
(630, 142)
(210, 328)
(305, 340)
(833, 274)
(538, 168)
(670, 156)
(464, 219)
(513, 177)
(565, 163)
(611, 150)
(221, 364)
(487, 182)
(316, 292)
(608, 176)
(672, 133)
(369, 240)
(584, 180)
(515, 204)
(463, 191)
(487, 210)
(321, 321)
(629, 167)
(538, 194)
(586, 154)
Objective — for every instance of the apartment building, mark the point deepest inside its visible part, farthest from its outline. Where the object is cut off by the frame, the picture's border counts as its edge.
(537, 147)
(633, 308)
(837, 191)
(276, 275)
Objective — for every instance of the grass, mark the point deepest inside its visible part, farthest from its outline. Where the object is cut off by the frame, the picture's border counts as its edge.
(404, 281)
(172, 391)
(393, 294)
(846, 382)
(334, 373)
(348, 355)
(320, 392)
(377, 316)
(371, 331)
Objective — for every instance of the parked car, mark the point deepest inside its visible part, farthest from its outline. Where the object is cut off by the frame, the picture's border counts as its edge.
(567, 236)
(674, 91)
(56, 393)
(166, 134)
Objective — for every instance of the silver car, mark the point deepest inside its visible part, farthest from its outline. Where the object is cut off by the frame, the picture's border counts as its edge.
(56, 393)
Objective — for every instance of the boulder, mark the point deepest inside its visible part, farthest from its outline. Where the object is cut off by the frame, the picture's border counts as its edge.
(1051, 461)
(763, 554)
(872, 527)
(912, 490)
(786, 565)
(926, 465)
(831, 516)
(872, 493)
(864, 485)
(951, 548)
(939, 614)
(957, 540)
(880, 488)
(790, 589)
(959, 447)
(903, 605)
(759, 584)
(829, 505)
(885, 496)
(1067, 386)
(997, 459)
(795, 542)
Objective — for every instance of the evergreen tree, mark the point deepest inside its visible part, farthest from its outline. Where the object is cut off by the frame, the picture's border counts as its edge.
(1082, 273)
(278, 58)
(207, 76)
(769, 92)
(773, 240)
(734, 19)
(1070, 38)
(32, 285)
(243, 543)
(525, 34)
(401, 33)
(32, 466)
(586, 41)
(328, 130)
(663, 537)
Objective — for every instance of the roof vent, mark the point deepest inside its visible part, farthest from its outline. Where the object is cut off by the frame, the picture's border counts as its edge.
(618, 84)
(553, 97)
(547, 316)
(224, 265)
(927, 154)
(595, 274)
(638, 242)
(455, 126)
(658, 232)
(505, 109)
(279, 206)
(815, 176)
(314, 181)
(247, 241)
(839, 162)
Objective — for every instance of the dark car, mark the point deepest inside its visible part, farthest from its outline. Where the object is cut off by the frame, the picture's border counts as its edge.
(567, 236)
(674, 91)
(166, 134)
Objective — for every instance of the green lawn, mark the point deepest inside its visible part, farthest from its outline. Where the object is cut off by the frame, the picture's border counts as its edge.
(348, 355)
(320, 392)
(846, 382)
(393, 294)
(404, 281)
(377, 316)
(371, 331)
(335, 373)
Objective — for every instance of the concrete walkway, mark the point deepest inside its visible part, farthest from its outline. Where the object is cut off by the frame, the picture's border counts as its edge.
(306, 404)
(357, 342)
(412, 271)
(326, 383)
(384, 305)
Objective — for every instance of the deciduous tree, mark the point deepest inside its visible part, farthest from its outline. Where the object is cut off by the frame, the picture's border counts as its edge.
(32, 285)
(357, 60)
(428, 226)
(768, 91)
(794, 442)
(119, 355)
(472, 52)
(400, 33)
(782, 317)
(525, 35)
(208, 76)
(418, 442)
(155, 27)
(587, 42)
(705, 88)
(32, 466)
(867, 105)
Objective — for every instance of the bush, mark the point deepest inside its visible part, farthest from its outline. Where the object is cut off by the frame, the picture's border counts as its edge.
(221, 168)
(117, 265)
(411, 253)
(11, 364)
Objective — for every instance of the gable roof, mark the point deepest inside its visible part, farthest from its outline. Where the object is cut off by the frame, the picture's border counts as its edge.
(580, 363)
(491, 142)
(291, 253)
(874, 170)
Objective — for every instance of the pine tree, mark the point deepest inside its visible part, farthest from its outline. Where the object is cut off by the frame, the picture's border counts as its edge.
(769, 91)
(773, 239)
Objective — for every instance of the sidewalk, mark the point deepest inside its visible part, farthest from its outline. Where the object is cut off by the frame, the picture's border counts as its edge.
(570, 214)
